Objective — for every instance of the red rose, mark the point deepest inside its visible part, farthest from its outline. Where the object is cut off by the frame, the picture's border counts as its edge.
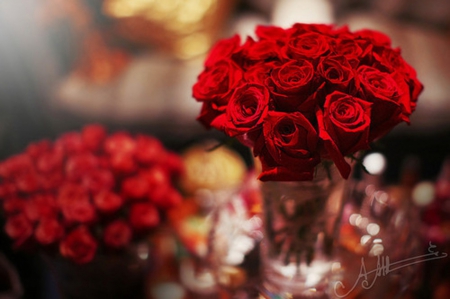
(143, 216)
(391, 61)
(325, 29)
(41, 206)
(36, 149)
(51, 181)
(97, 180)
(135, 187)
(288, 151)
(75, 204)
(253, 51)
(7, 190)
(93, 136)
(16, 165)
(18, 228)
(223, 50)
(148, 149)
(69, 193)
(123, 163)
(108, 201)
(79, 246)
(337, 72)
(79, 165)
(259, 72)
(79, 211)
(216, 83)
(28, 181)
(291, 84)
(375, 38)
(275, 33)
(119, 143)
(344, 126)
(71, 143)
(168, 200)
(14, 205)
(117, 234)
(350, 49)
(174, 164)
(391, 102)
(48, 231)
(51, 160)
(308, 45)
(246, 110)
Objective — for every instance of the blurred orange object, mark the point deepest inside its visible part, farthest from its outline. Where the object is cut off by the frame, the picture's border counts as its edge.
(99, 63)
(186, 28)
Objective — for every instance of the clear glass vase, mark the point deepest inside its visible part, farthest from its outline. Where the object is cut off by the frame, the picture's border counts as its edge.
(300, 228)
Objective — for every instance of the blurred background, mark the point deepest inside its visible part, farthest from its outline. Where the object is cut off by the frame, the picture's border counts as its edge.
(130, 64)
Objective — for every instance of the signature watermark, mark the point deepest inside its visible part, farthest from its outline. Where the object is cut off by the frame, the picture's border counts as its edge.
(384, 267)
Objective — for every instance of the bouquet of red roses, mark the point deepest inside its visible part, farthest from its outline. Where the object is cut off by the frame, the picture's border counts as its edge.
(88, 192)
(306, 94)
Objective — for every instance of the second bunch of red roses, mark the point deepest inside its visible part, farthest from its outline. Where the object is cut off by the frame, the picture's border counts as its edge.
(88, 192)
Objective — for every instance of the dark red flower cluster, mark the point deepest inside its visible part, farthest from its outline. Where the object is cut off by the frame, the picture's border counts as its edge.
(305, 94)
(88, 191)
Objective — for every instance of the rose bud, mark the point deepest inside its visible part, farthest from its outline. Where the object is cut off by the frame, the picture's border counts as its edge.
(123, 163)
(93, 136)
(98, 180)
(79, 165)
(119, 143)
(143, 216)
(149, 150)
(36, 149)
(71, 143)
(41, 206)
(14, 205)
(79, 246)
(117, 234)
(48, 231)
(170, 198)
(18, 228)
(135, 187)
(108, 201)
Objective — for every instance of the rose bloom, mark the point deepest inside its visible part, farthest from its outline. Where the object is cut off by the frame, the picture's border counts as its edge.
(18, 228)
(287, 148)
(71, 143)
(143, 216)
(77, 166)
(246, 110)
(93, 136)
(123, 163)
(28, 181)
(310, 45)
(48, 231)
(134, 187)
(148, 149)
(49, 161)
(79, 245)
(79, 211)
(344, 126)
(222, 50)
(41, 206)
(337, 72)
(107, 201)
(390, 100)
(290, 84)
(217, 82)
(97, 180)
(117, 234)
(119, 143)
